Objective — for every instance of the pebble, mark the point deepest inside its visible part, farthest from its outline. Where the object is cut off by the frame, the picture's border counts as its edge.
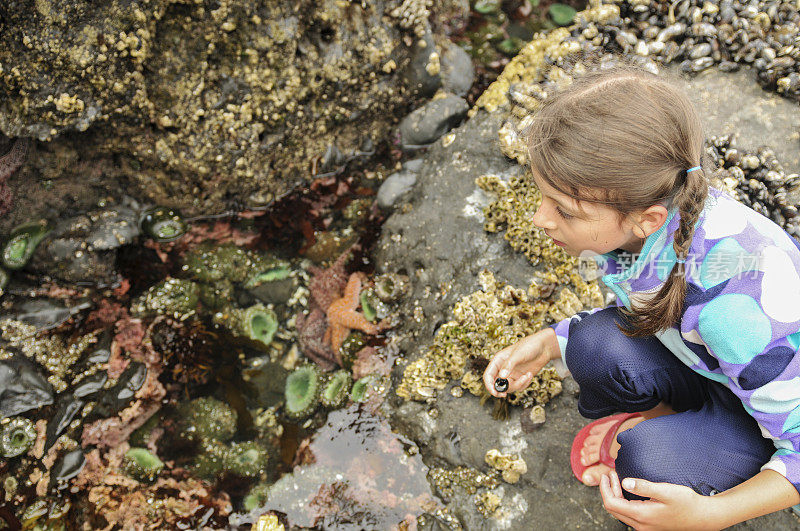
(394, 187)
(432, 120)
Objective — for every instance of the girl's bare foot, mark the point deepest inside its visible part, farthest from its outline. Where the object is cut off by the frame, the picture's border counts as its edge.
(590, 453)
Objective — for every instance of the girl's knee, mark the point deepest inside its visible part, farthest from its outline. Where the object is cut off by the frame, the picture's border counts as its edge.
(592, 344)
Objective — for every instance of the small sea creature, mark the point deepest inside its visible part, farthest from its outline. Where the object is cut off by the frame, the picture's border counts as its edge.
(17, 437)
(326, 285)
(302, 392)
(22, 242)
(142, 465)
(335, 392)
(163, 224)
(343, 317)
(501, 385)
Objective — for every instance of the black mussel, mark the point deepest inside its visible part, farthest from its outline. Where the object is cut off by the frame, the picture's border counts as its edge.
(163, 224)
(20, 244)
(501, 385)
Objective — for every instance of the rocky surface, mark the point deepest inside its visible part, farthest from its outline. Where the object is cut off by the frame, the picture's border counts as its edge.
(192, 104)
(437, 238)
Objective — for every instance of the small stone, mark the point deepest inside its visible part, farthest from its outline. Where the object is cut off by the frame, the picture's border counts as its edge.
(432, 120)
(457, 70)
(395, 186)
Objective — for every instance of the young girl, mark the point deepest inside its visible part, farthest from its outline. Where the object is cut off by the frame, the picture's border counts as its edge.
(700, 353)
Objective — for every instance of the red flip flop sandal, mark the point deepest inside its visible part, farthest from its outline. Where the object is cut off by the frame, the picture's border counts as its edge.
(579, 468)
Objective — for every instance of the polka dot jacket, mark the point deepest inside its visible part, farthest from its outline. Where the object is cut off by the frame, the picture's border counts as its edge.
(741, 320)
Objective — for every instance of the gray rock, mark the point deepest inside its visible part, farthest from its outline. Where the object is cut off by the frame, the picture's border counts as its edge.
(83, 248)
(441, 241)
(418, 75)
(413, 165)
(394, 187)
(457, 70)
(432, 120)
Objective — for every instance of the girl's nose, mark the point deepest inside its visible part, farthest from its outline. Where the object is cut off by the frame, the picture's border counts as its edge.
(542, 220)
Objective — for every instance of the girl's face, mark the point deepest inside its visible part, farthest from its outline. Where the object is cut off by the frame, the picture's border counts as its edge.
(595, 229)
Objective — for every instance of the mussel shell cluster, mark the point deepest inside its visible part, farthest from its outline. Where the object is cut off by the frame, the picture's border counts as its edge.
(757, 179)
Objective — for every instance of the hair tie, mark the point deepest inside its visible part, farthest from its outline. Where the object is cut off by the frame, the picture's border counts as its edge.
(695, 168)
(680, 261)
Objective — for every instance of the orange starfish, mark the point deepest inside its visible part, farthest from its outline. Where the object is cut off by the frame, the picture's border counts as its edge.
(343, 317)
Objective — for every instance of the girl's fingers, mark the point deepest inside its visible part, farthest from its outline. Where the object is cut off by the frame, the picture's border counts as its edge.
(493, 369)
(515, 384)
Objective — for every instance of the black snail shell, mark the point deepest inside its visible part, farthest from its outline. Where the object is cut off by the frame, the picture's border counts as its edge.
(501, 385)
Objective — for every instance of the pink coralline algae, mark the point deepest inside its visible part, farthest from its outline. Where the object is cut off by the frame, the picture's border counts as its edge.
(10, 163)
(117, 501)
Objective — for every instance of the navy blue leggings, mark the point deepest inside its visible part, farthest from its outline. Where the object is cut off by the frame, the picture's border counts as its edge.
(710, 445)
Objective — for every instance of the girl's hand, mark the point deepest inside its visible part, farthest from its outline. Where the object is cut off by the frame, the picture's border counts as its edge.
(669, 507)
(520, 362)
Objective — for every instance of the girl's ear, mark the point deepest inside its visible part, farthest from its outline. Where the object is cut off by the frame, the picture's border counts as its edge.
(649, 220)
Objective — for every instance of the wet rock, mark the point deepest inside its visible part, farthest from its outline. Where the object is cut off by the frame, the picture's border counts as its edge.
(22, 387)
(66, 468)
(422, 74)
(394, 187)
(90, 385)
(120, 395)
(83, 248)
(66, 411)
(458, 72)
(413, 165)
(44, 313)
(432, 120)
(178, 93)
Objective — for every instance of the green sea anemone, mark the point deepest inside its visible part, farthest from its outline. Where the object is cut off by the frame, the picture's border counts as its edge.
(210, 262)
(141, 464)
(216, 295)
(302, 392)
(247, 459)
(163, 224)
(335, 391)
(257, 497)
(368, 305)
(209, 418)
(22, 242)
(175, 297)
(257, 322)
(275, 272)
(360, 390)
(16, 437)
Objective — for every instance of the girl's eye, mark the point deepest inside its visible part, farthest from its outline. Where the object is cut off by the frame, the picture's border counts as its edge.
(562, 213)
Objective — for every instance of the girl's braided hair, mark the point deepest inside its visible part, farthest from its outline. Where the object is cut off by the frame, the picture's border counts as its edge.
(624, 137)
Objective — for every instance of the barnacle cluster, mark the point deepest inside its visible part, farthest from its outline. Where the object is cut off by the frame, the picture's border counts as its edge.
(511, 466)
(446, 480)
(413, 15)
(484, 323)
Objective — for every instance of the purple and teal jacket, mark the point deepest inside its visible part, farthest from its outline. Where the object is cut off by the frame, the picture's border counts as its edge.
(741, 319)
